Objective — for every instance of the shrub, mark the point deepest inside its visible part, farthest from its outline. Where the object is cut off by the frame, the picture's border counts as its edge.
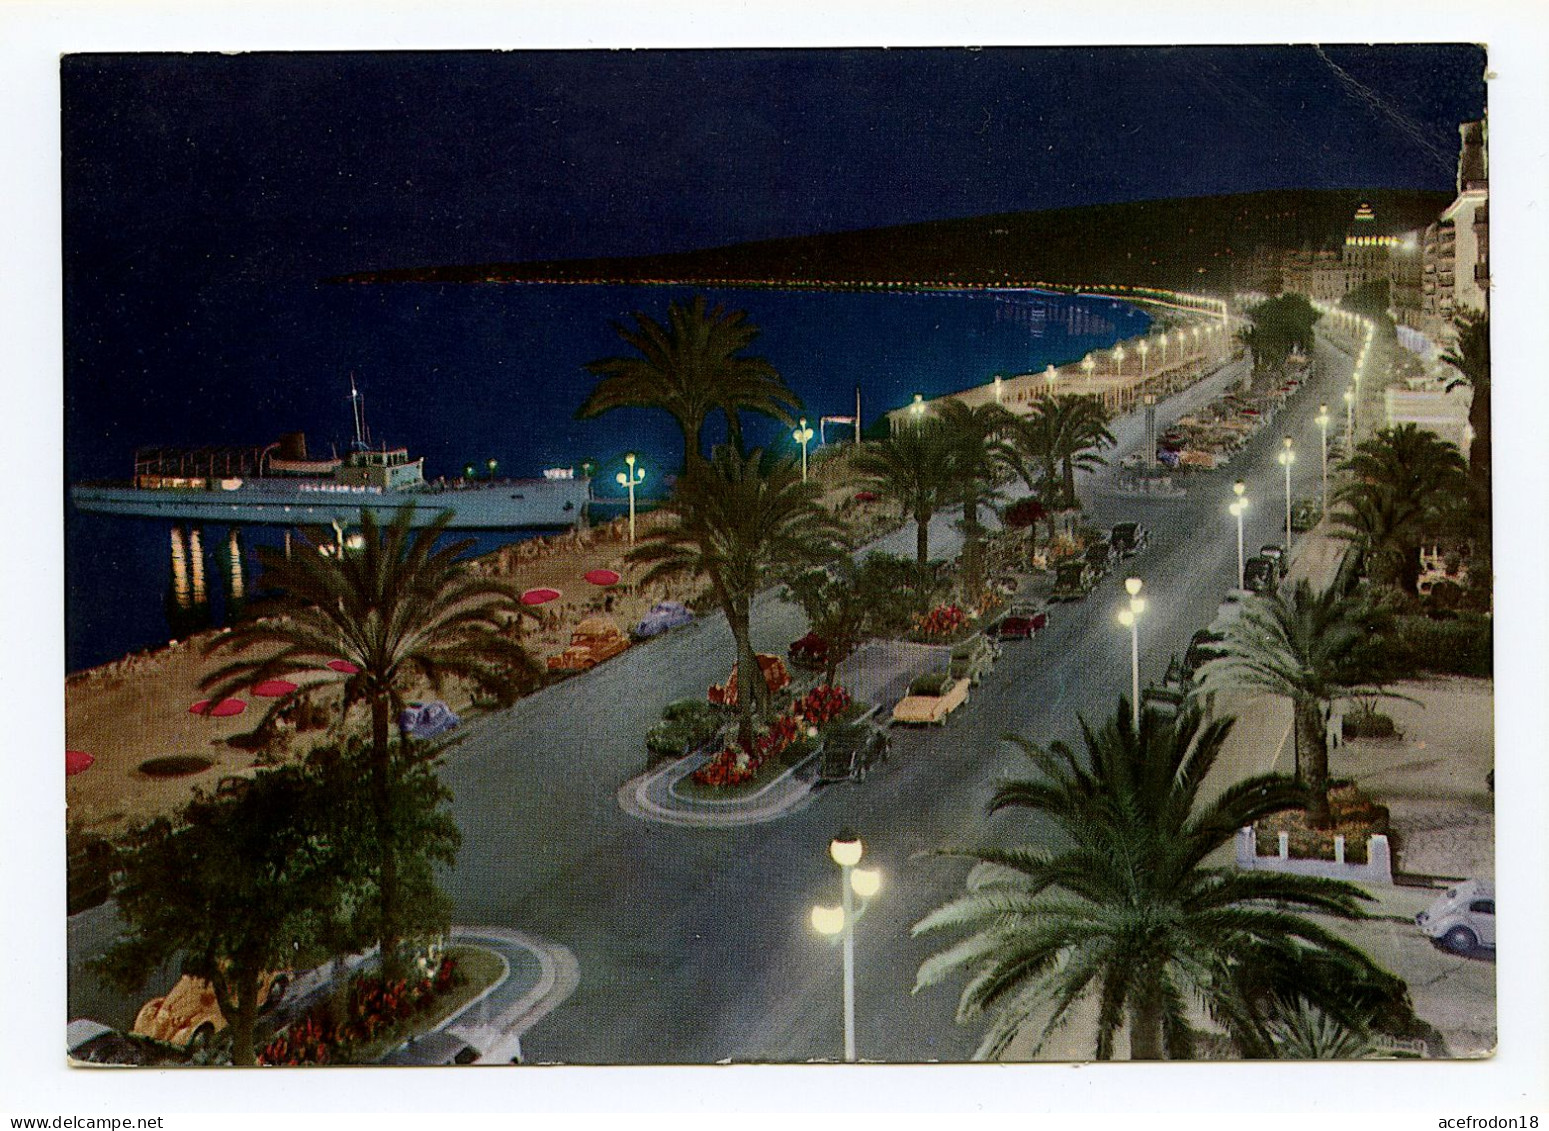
(1460, 646)
(1368, 722)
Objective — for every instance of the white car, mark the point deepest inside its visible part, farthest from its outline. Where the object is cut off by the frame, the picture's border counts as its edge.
(1464, 918)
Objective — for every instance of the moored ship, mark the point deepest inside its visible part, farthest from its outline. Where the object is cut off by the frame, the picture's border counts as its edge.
(279, 485)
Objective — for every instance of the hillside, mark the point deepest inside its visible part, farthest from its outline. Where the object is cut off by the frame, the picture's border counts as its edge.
(1191, 243)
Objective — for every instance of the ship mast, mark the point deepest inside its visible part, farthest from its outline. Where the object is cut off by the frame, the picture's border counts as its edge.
(358, 407)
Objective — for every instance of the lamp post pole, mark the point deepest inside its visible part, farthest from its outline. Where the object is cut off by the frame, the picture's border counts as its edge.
(846, 850)
(1130, 618)
(634, 477)
(1238, 508)
(803, 436)
(1287, 457)
(1349, 423)
(1323, 429)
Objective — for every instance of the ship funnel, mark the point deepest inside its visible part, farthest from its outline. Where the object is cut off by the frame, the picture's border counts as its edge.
(293, 445)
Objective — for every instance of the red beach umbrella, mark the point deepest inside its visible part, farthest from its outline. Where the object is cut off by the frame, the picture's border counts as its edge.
(273, 688)
(540, 596)
(602, 576)
(199, 707)
(344, 666)
(76, 761)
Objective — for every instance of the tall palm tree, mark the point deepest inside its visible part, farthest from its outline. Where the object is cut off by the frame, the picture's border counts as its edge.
(1470, 356)
(1064, 434)
(1124, 908)
(397, 611)
(980, 455)
(1405, 483)
(1311, 648)
(737, 524)
(913, 467)
(692, 367)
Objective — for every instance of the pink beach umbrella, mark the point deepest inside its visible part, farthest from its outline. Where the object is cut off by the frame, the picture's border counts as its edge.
(344, 666)
(222, 710)
(273, 688)
(76, 761)
(602, 576)
(540, 596)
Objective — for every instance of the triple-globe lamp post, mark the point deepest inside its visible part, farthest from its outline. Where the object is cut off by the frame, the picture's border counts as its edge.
(803, 435)
(846, 851)
(1238, 508)
(1130, 619)
(631, 480)
(1286, 457)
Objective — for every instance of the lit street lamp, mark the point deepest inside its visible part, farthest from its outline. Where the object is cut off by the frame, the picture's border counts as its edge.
(491, 464)
(1349, 423)
(997, 388)
(1130, 619)
(846, 851)
(1238, 509)
(803, 435)
(635, 477)
(1144, 347)
(1051, 376)
(1323, 428)
(1088, 363)
(1164, 348)
(1287, 457)
(917, 409)
(1118, 360)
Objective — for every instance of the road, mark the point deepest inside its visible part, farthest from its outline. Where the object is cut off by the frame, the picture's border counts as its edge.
(694, 944)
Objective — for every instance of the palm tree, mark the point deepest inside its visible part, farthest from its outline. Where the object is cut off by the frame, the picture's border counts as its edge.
(1312, 648)
(737, 523)
(396, 611)
(1470, 356)
(912, 466)
(979, 455)
(692, 367)
(1405, 482)
(1124, 909)
(1061, 435)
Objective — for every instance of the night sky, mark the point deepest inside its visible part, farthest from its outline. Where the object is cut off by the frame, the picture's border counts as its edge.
(286, 165)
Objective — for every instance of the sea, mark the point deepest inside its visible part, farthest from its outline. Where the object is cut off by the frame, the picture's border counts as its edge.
(463, 375)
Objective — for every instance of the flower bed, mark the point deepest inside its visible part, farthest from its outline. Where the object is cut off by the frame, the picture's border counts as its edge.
(1355, 817)
(735, 766)
(376, 1015)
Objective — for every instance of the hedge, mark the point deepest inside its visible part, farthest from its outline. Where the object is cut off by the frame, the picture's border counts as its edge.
(1461, 646)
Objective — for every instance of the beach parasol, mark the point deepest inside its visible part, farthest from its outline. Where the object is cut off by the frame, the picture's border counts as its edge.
(540, 596)
(602, 576)
(273, 688)
(343, 666)
(76, 761)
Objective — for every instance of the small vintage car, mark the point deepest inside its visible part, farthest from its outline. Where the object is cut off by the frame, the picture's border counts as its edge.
(1463, 919)
(1261, 575)
(850, 751)
(188, 1014)
(427, 720)
(776, 678)
(1022, 621)
(811, 651)
(931, 699)
(972, 658)
(1128, 539)
(663, 617)
(1073, 580)
(594, 640)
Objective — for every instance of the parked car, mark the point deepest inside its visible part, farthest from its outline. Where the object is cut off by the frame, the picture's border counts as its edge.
(850, 751)
(1261, 575)
(426, 720)
(1229, 609)
(1128, 538)
(811, 651)
(1099, 559)
(1073, 580)
(1304, 514)
(1022, 621)
(1275, 552)
(661, 617)
(1462, 919)
(931, 699)
(972, 658)
(92, 1042)
(1203, 646)
(594, 640)
(188, 1014)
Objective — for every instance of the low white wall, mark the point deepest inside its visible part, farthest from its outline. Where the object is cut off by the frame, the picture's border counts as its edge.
(1378, 868)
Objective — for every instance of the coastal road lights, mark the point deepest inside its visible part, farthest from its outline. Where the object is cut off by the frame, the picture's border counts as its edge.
(1286, 457)
(1144, 347)
(1118, 360)
(635, 477)
(846, 850)
(1195, 332)
(1130, 619)
(1051, 377)
(1238, 508)
(1088, 363)
(803, 436)
(1164, 348)
(998, 384)
(1323, 428)
(1349, 422)
(917, 408)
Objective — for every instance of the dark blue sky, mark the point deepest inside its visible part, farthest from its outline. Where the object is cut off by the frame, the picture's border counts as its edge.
(279, 165)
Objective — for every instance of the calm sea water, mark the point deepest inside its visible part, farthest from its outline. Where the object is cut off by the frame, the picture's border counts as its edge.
(465, 374)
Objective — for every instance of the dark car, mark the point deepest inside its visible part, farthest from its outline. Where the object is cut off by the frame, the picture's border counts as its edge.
(811, 651)
(1204, 645)
(1022, 621)
(1128, 539)
(1275, 552)
(1261, 575)
(1099, 558)
(849, 752)
(1072, 581)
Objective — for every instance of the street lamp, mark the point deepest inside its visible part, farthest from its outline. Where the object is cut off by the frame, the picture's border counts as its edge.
(1118, 360)
(635, 477)
(917, 409)
(1164, 347)
(1323, 427)
(803, 435)
(1287, 457)
(1238, 508)
(997, 388)
(846, 850)
(1088, 363)
(491, 464)
(1130, 619)
(1349, 423)
(1144, 347)
(1050, 376)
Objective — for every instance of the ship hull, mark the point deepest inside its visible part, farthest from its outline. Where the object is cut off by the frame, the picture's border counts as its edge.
(536, 504)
